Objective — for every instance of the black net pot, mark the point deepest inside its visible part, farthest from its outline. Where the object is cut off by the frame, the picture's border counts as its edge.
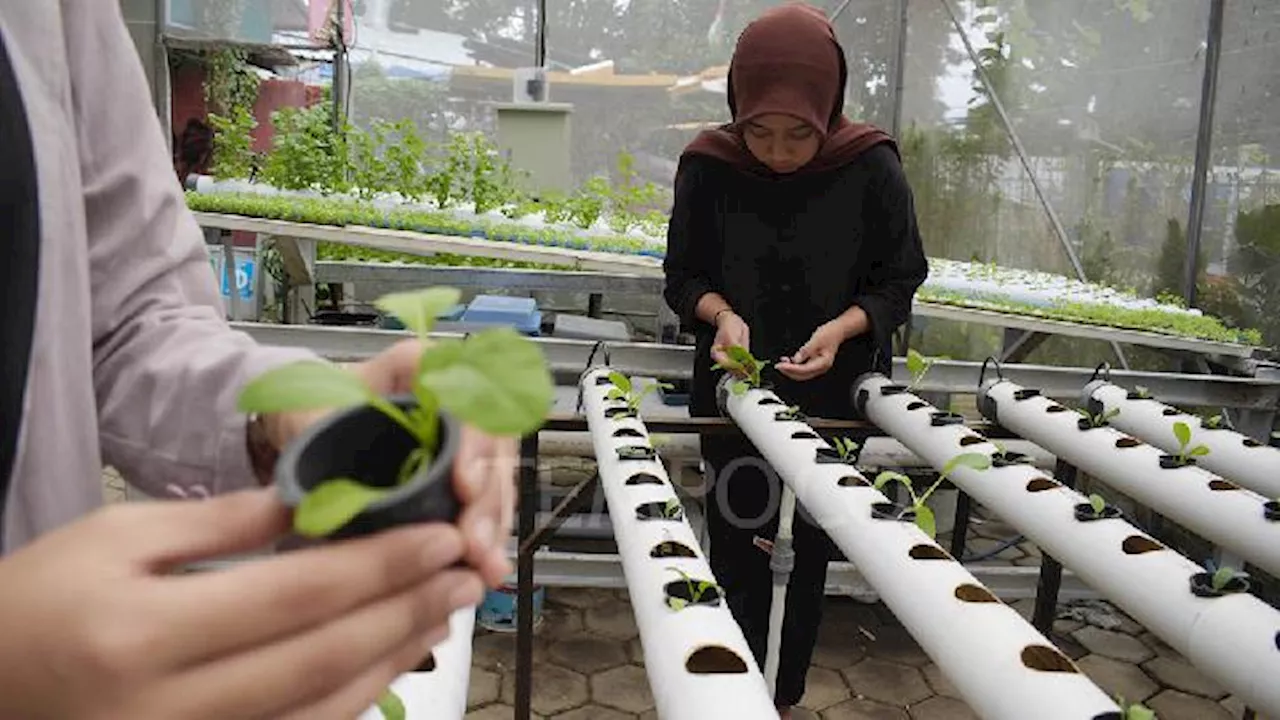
(366, 446)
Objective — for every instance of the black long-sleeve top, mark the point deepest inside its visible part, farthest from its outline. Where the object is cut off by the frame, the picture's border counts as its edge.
(790, 254)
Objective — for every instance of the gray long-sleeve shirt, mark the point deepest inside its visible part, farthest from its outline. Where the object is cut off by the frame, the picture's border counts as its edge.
(132, 362)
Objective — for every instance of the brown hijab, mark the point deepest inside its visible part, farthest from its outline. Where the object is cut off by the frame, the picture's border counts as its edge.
(788, 61)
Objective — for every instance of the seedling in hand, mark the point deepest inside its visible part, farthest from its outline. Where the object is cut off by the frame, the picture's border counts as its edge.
(623, 389)
(744, 366)
(1097, 420)
(391, 706)
(923, 513)
(494, 380)
(697, 589)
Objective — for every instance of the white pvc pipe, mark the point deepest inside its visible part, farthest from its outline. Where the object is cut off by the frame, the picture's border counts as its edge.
(982, 645)
(1236, 456)
(441, 693)
(1219, 511)
(669, 637)
(1231, 638)
(782, 547)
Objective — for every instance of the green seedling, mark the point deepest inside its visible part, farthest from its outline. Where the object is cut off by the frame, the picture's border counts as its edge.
(673, 510)
(1182, 432)
(1098, 503)
(1097, 420)
(1136, 711)
(1141, 392)
(625, 390)
(744, 366)
(697, 588)
(918, 366)
(391, 706)
(1221, 577)
(1214, 422)
(847, 448)
(925, 519)
(494, 380)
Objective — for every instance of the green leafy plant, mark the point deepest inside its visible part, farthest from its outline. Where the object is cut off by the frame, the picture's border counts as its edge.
(391, 706)
(1136, 711)
(847, 448)
(1097, 420)
(1186, 454)
(308, 153)
(623, 389)
(1221, 578)
(233, 156)
(1098, 504)
(924, 516)
(1141, 392)
(917, 366)
(1214, 422)
(697, 589)
(744, 366)
(495, 380)
(673, 510)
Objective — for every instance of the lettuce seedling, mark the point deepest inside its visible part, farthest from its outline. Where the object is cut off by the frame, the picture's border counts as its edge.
(745, 366)
(697, 588)
(495, 380)
(626, 391)
(918, 366)
(1182, 432)
(924, 514)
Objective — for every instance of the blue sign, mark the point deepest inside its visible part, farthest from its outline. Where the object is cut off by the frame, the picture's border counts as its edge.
(245, 276)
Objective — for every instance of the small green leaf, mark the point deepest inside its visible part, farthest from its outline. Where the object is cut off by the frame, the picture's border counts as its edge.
(1139, 712)
(1198, 451)
(620, 381)
(738, 387)
(303, 385)
(419, 309)
(925, 520)
(496, 380)
(1110, 414)
(741, 356)
(915, 363)
(1182, 432)
(1098, 503)
(1222, 576)
(391, 706)
(973, 461)
(331, 505)
(615, 394)
(676, 603)
(888, 476)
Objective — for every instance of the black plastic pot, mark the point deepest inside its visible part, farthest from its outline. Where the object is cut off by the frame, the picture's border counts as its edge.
(681, 590)
(1085, 424)
(1271, 510)
(1005, 459)
(939, 419)
(1202, 586)
(365, 445)
(887, 390)
(620, 413)
(831, 456)
(1084, 513)
(1173, 462)
(889, 511)
(636, 452)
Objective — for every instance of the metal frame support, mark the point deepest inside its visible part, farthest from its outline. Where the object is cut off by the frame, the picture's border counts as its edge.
(1050, 583)
(1204, 148)
(899, 68)
(528, 490)
(960, 528)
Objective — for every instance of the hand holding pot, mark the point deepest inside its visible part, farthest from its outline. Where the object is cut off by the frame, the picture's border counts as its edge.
(483, 473)
(815, 357)
(730, 330)
(95, 627)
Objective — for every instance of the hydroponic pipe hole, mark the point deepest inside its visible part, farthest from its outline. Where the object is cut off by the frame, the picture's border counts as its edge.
(770, 401)
(671, 548)
(929, 552)
(1222, 485)
(619, 413)
(1137, 545)
(1127, 442)
(852, 481)
(788, 415)
(1007, 459)
(1173, 462)
(889, 511)
(1278, 641)
(1041, 484)
(603, 380)
(1054, 409)
(941, 419)
(917, 405)
(659, 511)
(1025, 394)
(685, 591)
(975, 594)
(831, 456)
(968, 440)
(887, 390)
(627, 432)
(428, 663)
(644, 478)
(1251, 443)
(636, 452)
(805, 435)
(1046, 659)
(714, 660)
(1170, 412)
(1271, 510)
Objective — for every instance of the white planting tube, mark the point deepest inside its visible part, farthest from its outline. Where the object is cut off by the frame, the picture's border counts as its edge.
(1002, 666)
(1205, 504)
(1235, 456)
(442, 692)
(679, 645)
(1233, 638)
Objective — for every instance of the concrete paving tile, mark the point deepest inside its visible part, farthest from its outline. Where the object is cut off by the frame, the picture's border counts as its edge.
(555, 689)
(862, 709)
(1159, 646)
(1112, 644)
(483, 688)
(1118, 679)
(823, 688)
(838, 649)
(635, 651)
(587, 653)
(594, 712)
(894, 643)
(613, 619)
(497, 651)
(942, 708)
(1026, 607)
(581, 598)
(1181, 675)
(984, 545)
(888, 682)
(625, 688)
(497, 711)
(1175, 705)
(939, 682)
(559, 621)
(1068, 645)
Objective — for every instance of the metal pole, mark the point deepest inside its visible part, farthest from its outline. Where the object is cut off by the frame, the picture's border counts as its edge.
(1204, 149)
(1021, 151)
(340, 88)
(527, 512)
(899, 69)
(540, 38)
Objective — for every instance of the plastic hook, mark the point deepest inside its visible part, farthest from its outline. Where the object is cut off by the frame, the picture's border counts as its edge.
(1103, 371)
(982, 374)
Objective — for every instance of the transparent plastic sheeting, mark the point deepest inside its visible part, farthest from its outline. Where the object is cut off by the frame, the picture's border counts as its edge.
(442, 693)
(1234, 639)
(1236, 457)
(1002, 666)
(1205, 504)
(697, 659)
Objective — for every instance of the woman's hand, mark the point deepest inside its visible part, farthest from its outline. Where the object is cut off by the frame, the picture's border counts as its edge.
(95, 626)
(817, 356)
(730, 330)
(483, 475)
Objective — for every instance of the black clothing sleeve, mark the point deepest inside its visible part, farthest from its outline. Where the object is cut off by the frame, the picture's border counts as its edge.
(691, 254)
(897, 264)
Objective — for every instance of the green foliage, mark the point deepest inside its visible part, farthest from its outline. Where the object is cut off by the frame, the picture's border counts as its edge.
(391, 706)
(1098, 504)
(1136, 711)
(745, 368)
(847, 448)
(230, 84)
(494, 380)
(1220, 578)
(697, 588)
(924, 517)
(1182, 432)
(623, 389)
(307, 154)
(1097, 420)
(917, 366)
(233, 155)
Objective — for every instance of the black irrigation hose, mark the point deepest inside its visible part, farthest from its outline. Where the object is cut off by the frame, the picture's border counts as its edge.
(1004, 545)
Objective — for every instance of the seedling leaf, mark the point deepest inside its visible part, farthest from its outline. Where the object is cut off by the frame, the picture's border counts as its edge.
(1098, 503)
(616, 394)
(391, 706)
(1198, 451)
(925, 520)
(916, 364)
(418, 309)
(303, 385)
(889, 476)
(1139, 712)
(1182, 432)
(496, 380)
(620, 382)
(973, 461)
(331, 505)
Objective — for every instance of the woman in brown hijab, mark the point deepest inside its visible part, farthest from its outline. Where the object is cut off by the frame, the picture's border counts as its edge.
(793, 234)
